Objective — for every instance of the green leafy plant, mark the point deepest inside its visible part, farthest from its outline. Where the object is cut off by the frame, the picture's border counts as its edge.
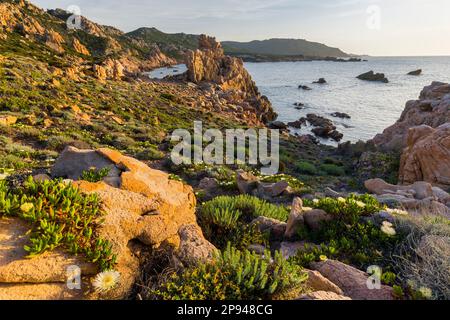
(95, 175)
(296, 185)
(60, 216)
(349, 209)
(233, 275)
(250, 207)
(332, 169)
(225, 219)
(224, 224)
(304, 167)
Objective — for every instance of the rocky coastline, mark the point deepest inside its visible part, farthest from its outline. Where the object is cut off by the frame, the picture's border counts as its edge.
(86, 179)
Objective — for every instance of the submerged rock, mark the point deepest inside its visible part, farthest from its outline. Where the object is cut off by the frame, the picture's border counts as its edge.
(320, 81)
(341, 115)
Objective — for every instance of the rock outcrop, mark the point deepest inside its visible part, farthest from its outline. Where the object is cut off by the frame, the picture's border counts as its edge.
(427, 156)
(417, 72)
(431, 109)
(420, 197)
(210, 64)
(372, 76)
(352, 281)
(143, 208)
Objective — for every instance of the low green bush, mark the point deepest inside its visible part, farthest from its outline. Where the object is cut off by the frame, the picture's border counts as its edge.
(225, 219)
(60, 216)
(233, 275)
(296, 185)
(349, 209)
(95, 175)
(250, 207)
(348, 237)
(304, 167)
(332, 170)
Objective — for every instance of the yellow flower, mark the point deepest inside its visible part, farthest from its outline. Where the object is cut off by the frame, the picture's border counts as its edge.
(106, 281)
(323, 258)
(340, 199)
(26, 207)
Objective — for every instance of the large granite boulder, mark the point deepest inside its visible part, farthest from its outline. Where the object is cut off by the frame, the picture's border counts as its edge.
(427, 156)
(431, 109)
(143, 211)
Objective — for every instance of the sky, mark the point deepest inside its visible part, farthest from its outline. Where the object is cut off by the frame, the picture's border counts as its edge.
(374, 27)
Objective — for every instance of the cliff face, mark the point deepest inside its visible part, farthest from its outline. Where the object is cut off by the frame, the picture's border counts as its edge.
(431, 109)
(210, 64)
(422, 136)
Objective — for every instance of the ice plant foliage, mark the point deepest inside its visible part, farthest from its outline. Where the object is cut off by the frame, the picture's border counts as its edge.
(60, 217)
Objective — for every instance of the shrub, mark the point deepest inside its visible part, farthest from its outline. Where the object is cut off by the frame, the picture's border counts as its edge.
(350, 208)
(224, 219)
(150, 153)
(304, 167)
(348, 237)
(296, 185)
(332, 169)
(250, 207)
(95, 175)
(11, 161)
(60, 216)
(421, 259)
(360, 244)
(233, 275)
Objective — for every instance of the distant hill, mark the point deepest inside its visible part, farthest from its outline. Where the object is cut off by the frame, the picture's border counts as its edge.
(283, 47)
(172, 44)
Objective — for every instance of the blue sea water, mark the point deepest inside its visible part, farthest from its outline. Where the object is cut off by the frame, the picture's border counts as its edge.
(373, 106)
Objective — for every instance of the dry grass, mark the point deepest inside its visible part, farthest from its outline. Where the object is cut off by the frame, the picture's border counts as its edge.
(423, 259)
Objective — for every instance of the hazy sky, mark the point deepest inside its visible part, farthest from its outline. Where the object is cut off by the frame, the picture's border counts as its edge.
(375, 27)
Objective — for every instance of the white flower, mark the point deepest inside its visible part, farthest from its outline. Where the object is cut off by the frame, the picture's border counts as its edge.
(360, 204)
(316, 201)
(426, 292)
(398, 212)
(106, 281)
(387, 224)
(340, 199)
(388, 228)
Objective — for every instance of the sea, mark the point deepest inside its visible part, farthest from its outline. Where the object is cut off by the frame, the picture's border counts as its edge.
(373, 106)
